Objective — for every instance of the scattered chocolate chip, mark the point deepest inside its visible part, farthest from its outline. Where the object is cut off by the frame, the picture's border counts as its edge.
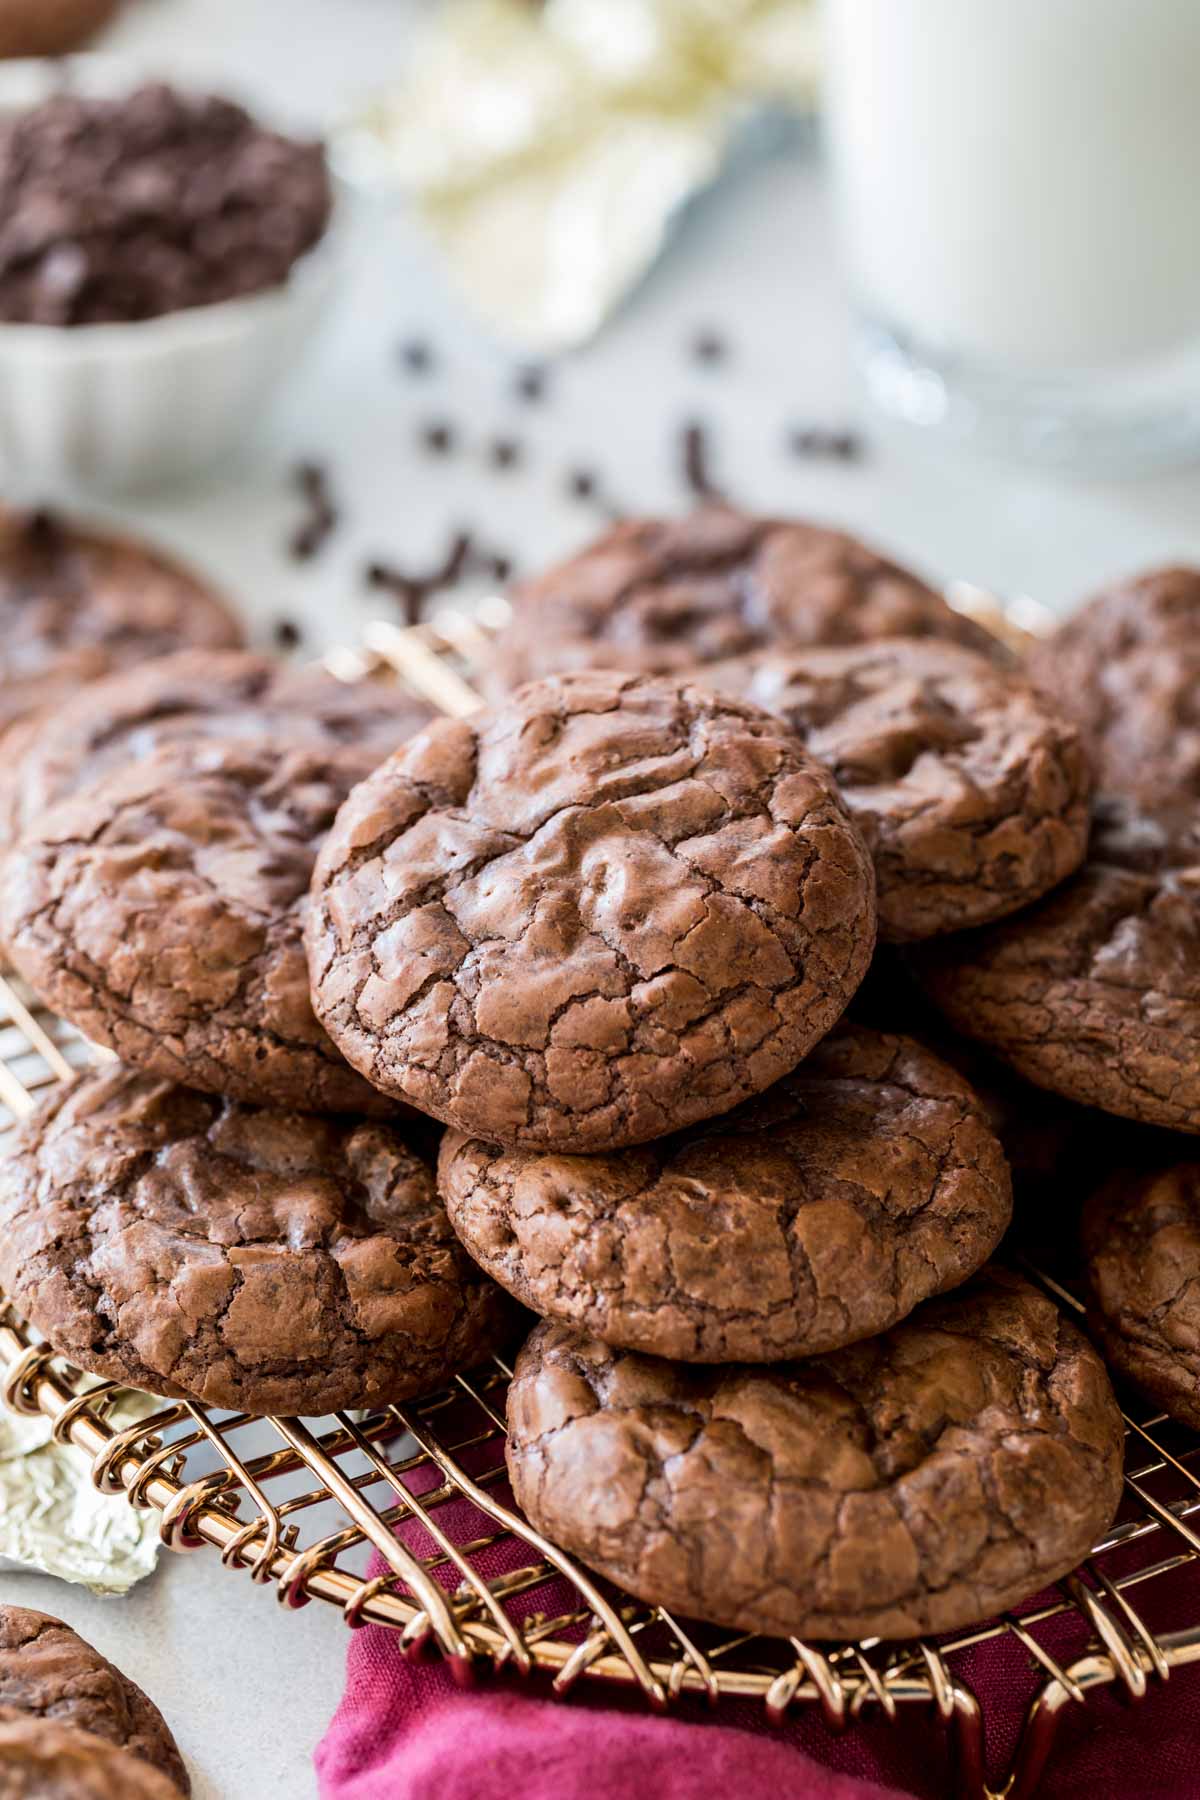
(696, 450)
(411, 588)
(312, 481)
(581, 484)
(438, 437)
(530, 384)
(288, 634)
(709, 347)
(498, 567)
(815, 440)
(504, 453)
(417, 356)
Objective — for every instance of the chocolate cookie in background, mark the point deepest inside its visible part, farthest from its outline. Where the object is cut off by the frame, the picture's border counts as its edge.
(43, 1760)
(231, 696)
(1094, 993)
(268, 1261)
(121, 209)
(76, 603)
(817, 1214)
(605, 909)
(1126, 666)
(46, 1672)
(159, 908)
(51, 27)
(669, 596)
(914, 1483)
(970, 789)
(1141, 1246)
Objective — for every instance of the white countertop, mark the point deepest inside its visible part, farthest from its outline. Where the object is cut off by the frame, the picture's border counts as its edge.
(247, 1687)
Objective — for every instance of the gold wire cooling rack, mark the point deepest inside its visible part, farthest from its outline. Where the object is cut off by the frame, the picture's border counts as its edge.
(300, 1504)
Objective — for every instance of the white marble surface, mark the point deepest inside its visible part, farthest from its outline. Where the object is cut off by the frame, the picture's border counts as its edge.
(247, 1687)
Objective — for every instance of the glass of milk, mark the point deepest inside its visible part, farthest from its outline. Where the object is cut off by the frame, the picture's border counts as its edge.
(1018, 189)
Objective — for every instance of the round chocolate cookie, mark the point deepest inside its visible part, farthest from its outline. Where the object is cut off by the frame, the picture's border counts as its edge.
(913, 1483)
(269, 1261)
(160, 907)
(1126, 666)
(1141, 1239)
(819, 1213)
(75, 604)
(1094, 992)
(608, 908)
(43, 1760)
(49, 1673)
(970, 791)
(50, 27)
(228, 696)
(666, 596)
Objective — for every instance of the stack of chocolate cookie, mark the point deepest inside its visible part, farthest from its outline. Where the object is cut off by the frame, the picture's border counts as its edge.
(610, 931)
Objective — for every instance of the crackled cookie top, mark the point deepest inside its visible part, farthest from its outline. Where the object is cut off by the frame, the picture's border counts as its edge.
(230, 696)
(1126, 666)
(160, 907)
(1141, 1239)
(75, 604)
(970, 790)
(1094, 992)
(916, 1482)
(41, 1759)
(270, 1261)
(665, 596)
(816, 1214)
(612, 906)
(49, 1673)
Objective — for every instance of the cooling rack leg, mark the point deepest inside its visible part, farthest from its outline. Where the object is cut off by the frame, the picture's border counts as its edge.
(968, 1773)
(1037, 1740)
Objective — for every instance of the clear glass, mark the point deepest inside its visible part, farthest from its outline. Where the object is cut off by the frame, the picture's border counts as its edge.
(1016, 185)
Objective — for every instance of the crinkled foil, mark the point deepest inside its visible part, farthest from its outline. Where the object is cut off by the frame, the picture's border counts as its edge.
(53, 1519)
(548, 149)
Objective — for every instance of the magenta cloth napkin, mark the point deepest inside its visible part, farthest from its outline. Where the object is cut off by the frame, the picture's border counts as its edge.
(404, 1731)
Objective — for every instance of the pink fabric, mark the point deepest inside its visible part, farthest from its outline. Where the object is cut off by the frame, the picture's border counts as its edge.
(404, 1731)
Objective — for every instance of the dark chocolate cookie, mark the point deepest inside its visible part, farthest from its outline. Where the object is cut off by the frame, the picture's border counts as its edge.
(160, 907)
(43, 1760)
(1126, 666)
(819, 1213)
(666, 596)
(1141, 1239)
(914, 1483)
(49, 1673)
(608, 908)
(269, 1261)
(1094, 992)
(970, 790)
(228, 696)
(75, 604)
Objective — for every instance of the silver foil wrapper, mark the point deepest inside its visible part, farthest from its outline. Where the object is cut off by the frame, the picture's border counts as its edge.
(52, 1517)
(548, 149)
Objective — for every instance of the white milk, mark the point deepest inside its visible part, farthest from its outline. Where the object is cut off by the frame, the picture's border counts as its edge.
(1019, 180)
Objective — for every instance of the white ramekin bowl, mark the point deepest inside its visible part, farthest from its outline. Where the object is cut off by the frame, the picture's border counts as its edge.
(144, 404)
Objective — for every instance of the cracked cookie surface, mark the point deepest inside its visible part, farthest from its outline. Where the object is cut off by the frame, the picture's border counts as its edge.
(75, 604)
(160, 908)
(270, 1261)
(914, 1483)
(1094, 992)
(235, 696)
(604, 909)
(47, 1672)
(820, 1212)
(43, 1760)
(970, 791)
(666, 596)
(1126, 666)
(1141, 1241)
